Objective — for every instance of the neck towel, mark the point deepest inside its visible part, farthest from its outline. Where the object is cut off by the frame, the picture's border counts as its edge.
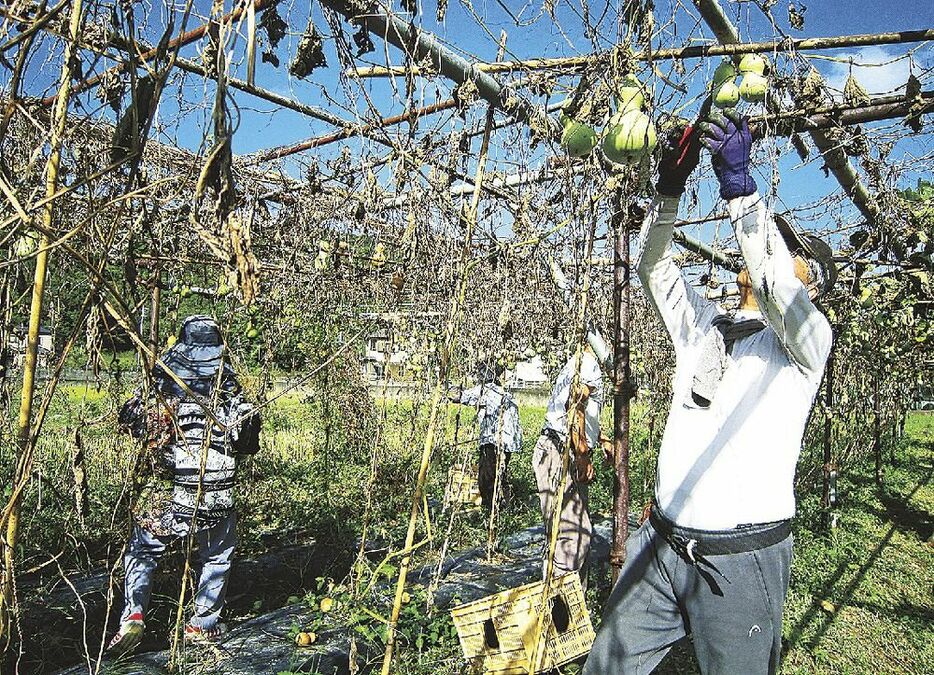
(712, 362)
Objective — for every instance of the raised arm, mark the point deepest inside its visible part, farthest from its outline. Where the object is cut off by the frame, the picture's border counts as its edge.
(680, 307)
(467, 396)
(783, 299)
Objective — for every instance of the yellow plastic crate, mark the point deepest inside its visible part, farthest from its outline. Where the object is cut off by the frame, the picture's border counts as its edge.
(497, 633)
(463, 487)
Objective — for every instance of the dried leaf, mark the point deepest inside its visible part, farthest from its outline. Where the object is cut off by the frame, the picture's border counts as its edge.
(854, 93)
(250, 43)
(274, 26)
(310, 52)
(361, 38)
(912, 87)
(796, 16)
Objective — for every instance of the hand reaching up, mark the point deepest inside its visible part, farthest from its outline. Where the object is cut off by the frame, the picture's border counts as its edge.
(680, 155)
(728, 138)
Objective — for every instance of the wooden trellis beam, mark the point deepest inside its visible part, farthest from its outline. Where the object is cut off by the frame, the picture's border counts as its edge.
(878, 109)
(347, 127)
(834, 156)
(421, 45)
(131, 47)
(353, 130)
(779, 124)
(574, 63)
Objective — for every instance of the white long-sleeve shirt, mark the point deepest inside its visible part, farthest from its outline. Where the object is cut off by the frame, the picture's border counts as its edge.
(556, 417)
(734, 462)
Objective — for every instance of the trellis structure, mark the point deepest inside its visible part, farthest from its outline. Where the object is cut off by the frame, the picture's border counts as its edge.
(275, 213)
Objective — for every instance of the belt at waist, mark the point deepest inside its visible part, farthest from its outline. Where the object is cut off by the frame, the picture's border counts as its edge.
(553, 435)
(706, 542)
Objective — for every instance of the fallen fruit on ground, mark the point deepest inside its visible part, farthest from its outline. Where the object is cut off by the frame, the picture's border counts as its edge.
(304, 639)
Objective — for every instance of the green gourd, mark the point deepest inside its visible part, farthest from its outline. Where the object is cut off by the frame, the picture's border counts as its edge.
(577, 139)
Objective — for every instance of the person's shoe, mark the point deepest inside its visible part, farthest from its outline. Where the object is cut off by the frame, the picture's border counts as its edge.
(201, 634)
(128, 637)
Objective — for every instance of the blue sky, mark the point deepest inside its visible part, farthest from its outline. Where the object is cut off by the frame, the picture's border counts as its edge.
(474, 34)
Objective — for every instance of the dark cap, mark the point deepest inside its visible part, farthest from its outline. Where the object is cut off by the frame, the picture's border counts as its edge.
(812, 248)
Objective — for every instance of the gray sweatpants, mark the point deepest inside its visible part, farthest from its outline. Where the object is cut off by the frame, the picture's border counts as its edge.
(215, 549)
(732, 607)
(574, 529)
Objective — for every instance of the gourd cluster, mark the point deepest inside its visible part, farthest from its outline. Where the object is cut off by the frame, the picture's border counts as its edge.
(629, 135)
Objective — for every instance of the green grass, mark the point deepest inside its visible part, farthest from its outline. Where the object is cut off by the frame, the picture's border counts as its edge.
(873, 572)
(313, 474)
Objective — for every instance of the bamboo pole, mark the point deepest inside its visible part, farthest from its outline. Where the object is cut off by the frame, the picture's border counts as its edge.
(431, 430)
(877, 428)
(834, 156)
(24, 420)
(778, 124)
(623, 389)
(154, 315)
(22, 57)
(573, 63)
(835, 117)
(826, 496)
(349, 131)
(137, 47)
(39, 22)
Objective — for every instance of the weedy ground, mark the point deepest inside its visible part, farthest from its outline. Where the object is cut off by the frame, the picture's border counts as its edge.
(861, 593)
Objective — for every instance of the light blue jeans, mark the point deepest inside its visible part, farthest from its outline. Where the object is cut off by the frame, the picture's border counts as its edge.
(215, 551)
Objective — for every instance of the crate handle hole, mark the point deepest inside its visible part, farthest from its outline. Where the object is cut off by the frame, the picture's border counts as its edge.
(560, 614)
(489, 635)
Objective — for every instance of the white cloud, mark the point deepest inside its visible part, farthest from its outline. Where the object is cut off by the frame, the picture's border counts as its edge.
(876, 79)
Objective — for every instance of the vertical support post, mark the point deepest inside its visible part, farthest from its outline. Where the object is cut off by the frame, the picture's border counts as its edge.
(827, 497)
(622, 383)
(24, 422)
(450, 338)
(877, 428)
(154, 303)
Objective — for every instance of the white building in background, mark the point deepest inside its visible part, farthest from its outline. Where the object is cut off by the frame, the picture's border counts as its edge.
(17, 346)
(376, 362)
(528, 374)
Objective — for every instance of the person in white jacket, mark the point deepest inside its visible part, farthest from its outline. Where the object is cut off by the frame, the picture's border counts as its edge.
(713, 558)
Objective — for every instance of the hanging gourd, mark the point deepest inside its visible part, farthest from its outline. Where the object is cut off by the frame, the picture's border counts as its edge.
(26, 245)
(378, 259)
(754, 83)
(725, 91)
(630, 135)
(324, 255)
(577, 139)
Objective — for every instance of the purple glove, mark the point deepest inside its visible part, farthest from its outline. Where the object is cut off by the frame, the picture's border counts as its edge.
(730, 143)
(680, 155)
